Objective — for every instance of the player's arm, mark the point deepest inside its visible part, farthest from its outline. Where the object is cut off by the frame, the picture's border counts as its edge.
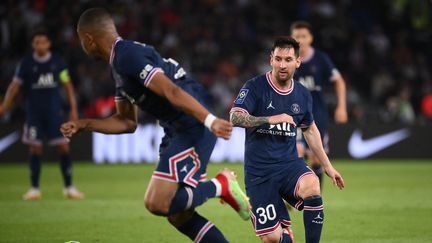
(70, 93)
(124, 121)
(313, 138)
(341, 115)
(163, 86)
(243, 119)
(12, 90)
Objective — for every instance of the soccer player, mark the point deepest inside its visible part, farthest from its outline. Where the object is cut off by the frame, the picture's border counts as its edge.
(40, 76)
(315, 73)
(161, 87)
(270, 107)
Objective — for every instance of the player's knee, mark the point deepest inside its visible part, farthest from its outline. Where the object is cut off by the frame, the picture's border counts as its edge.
(271, 238)
(309, 186)
(156, 206)
(63, 149)
(36, 150)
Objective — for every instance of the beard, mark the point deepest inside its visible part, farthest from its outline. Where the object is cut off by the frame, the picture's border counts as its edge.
(283, 78)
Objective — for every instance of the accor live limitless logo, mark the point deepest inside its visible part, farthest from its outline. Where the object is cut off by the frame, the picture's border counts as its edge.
(281, 129)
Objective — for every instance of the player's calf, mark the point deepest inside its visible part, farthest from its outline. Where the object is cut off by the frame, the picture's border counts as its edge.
(313, 210)
(196, 227)
(313, 218)
(224, 185)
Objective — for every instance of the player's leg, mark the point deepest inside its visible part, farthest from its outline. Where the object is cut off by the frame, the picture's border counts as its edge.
(32, 137)
(302, 191)
(308, 189)
(69, 190)
(186, 165)
(159, 194)
(35, 168)
(287, 233)
(268, 212)
(174, 186)
(63, 149)
(165, 197)
(196, 227)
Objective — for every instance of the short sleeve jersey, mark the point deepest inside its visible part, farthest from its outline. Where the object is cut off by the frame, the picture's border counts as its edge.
(315, 74)
(40, 80)
(134, 65)
(272, 145)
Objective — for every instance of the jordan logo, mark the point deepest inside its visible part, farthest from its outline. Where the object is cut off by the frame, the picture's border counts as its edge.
(318, 219)
(270, 105)
(319, 216)
(184, 169)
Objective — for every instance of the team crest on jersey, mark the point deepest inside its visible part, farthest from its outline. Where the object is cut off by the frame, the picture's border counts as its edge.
(295, 108)
(241, 96)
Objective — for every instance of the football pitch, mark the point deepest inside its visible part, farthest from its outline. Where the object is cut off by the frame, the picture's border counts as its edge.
(384, 201)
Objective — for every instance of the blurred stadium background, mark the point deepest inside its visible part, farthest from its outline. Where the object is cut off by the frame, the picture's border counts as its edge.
(382, 48)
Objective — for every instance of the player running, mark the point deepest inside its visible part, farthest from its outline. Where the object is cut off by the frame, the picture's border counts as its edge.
(40, 76)
(315, 73)
(270, 107)
(162, 88)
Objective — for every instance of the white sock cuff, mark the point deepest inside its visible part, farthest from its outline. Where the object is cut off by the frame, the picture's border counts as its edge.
(218, 187)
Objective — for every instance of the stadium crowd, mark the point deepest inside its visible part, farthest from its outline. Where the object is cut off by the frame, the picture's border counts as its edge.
(382, 48)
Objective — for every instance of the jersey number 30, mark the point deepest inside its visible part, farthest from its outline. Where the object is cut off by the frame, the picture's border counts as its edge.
(268, 213)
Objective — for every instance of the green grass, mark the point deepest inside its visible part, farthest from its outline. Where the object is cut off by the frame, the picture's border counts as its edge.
(383, 202)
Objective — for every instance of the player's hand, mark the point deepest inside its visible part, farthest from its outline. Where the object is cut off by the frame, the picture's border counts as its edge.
(335, 176)
(341, 115)
(70, 128)
(281, 118)
(222, 128)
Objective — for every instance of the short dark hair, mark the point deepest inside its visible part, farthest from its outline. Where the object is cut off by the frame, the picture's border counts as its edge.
(286, 42)
(93, 17)
(40, 31)
(301, 25)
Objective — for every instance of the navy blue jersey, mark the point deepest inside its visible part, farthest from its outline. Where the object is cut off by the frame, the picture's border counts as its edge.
(134, 65)
(41, 81)
(270, 146)
(315, 73)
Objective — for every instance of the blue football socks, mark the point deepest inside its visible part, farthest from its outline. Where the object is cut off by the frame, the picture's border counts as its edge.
(35, 167)
(188, 198)
(313, 217)
(66, 169)
(199, 229)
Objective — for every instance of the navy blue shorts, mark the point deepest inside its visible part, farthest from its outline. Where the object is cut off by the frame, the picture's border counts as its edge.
(268, 208)
(40, 126)
(184, 159)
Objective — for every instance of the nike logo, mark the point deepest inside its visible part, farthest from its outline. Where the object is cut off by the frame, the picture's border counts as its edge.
(361, 148)
(8, 141)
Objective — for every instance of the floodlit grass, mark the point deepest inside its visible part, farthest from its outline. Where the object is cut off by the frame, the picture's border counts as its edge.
(383, 202)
